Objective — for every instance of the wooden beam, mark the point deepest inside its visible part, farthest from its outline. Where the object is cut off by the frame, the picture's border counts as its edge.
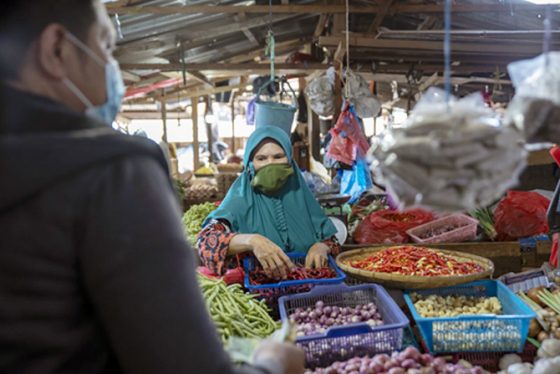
(247, 31)
(195, 93)
(323, 8)
(196, 147)
(225, 67)
(201, 78)
(320, 26)
(474, 33)
(379, 17)
(130, 77)
(282, 47)
(478, 48)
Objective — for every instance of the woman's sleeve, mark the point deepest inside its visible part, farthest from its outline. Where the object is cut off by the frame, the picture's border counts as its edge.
(333, 244)
(213, 245)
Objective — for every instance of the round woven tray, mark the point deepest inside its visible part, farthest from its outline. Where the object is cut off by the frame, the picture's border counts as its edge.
(409, 281)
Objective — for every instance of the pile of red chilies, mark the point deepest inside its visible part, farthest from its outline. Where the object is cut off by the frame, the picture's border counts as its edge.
(417, 261)
(259, 277)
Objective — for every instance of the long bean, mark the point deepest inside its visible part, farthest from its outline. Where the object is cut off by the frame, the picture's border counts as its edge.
(234, 312)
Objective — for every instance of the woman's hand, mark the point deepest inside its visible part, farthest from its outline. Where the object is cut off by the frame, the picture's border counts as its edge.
(273, 260)
(317, 257)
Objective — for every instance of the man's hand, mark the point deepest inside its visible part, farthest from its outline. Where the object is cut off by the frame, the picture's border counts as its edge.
(284, 358)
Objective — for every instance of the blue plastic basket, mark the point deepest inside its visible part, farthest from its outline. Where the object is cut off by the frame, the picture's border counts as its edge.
(271, 292)
(340, 343)
(506, 332)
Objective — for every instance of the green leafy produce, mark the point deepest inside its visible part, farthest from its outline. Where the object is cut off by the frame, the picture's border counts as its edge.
(234, 312)
(486, 221)
(194, 217)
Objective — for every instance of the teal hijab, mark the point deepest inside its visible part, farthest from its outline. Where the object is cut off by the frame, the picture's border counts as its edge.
(293, 219)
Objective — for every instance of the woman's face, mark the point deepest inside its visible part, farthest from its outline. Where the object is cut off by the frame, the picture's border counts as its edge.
(268, 153)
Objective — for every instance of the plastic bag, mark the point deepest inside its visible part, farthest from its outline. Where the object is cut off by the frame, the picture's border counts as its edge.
(251, 106)
(535, 108)
(354, 182)
(389, 226)
(452, 158)
(317, 185)
(320, 93)
(365, 104)
(348, 140)
(521, 214)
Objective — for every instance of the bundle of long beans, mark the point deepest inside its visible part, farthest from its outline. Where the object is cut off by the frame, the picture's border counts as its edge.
(234, 312)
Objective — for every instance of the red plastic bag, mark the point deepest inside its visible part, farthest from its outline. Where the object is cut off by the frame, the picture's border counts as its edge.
(521, 214)
(389, 227)
(348, 139)
(341, 148)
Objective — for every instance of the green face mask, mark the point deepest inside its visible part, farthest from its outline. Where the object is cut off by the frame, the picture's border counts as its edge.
(272, 178)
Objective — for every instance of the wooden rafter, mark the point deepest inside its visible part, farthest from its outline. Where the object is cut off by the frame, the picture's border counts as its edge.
(286, 68)
(379, 17)
(201, 78)
(321, 8)
(477, 48)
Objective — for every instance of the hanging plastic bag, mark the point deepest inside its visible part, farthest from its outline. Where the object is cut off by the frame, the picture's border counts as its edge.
(389, 227)
(449, 158)
(348, 139)
(535, 108)
(365, 104)
(521, 214)
(251, 111)
(354, 182)
(320, 93)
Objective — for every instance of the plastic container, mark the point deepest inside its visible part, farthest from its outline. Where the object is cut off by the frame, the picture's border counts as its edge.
(272, 291)
(476, 333)
(344, 342)
(465, 231)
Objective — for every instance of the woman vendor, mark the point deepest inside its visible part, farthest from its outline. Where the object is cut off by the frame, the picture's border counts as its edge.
(268, 211)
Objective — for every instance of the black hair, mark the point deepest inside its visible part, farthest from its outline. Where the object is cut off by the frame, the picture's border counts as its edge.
(22, 21)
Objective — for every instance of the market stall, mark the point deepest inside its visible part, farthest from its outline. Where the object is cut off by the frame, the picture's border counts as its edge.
(446, 240)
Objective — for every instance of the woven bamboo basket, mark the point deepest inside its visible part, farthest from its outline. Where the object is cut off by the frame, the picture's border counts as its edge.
(413, 282)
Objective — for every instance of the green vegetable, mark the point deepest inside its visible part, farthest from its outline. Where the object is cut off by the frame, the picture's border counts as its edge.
(234, 312)
(194, 218)
(550, 300)
(486, 221)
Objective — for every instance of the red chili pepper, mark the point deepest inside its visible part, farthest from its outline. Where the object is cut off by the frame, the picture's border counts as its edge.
(409, 260)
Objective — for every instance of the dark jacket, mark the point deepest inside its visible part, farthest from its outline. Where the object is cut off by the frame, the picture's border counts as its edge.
(95, 272)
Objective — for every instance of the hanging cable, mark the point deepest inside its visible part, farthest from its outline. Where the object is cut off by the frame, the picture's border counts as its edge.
(347, 46)
(447, 52)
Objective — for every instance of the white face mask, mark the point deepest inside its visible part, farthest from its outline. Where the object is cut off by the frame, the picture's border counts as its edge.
(113, 83)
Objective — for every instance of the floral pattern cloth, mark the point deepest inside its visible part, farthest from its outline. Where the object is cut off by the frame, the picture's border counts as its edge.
(213, 245)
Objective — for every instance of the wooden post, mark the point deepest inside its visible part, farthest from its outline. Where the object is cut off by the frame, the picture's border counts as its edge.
(314, 134)
(207, 110)
(233, 94)
(196, 150)
(164, 119)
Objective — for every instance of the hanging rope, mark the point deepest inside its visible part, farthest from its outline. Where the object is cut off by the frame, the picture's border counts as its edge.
(346, 86)
(547, 35)
(447, 52)
(271, 44)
